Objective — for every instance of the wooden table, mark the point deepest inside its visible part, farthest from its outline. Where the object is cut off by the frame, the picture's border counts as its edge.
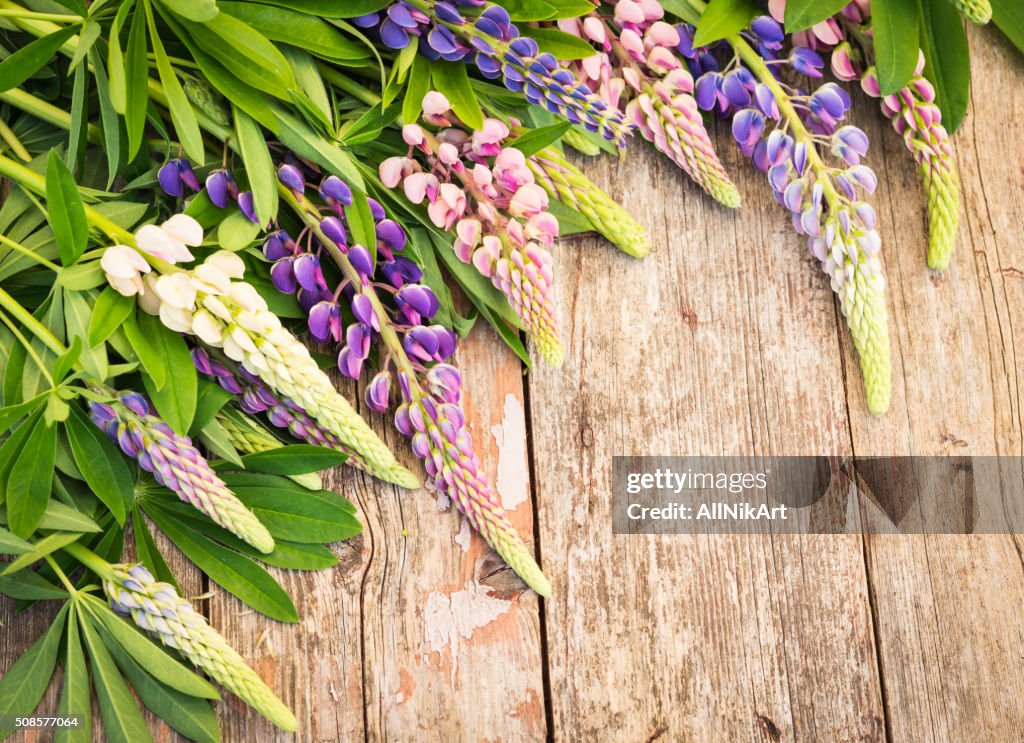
(726, 340)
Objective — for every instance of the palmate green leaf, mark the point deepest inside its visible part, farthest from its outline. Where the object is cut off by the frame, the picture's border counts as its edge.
(293, 513)
(77, 318)
(259, 168)
(28, 486)
(82, 276)
(561, 44)
(147, 552)
(101, 464)
(360, 221)
(536, 140)
(947, 58)
(802, 14)
(723, 18)
(115, 60)
(895, 24)
(25, 682)
(122, 719)
(79, 118)
(199, 11)
(66, 211)
(12, 413)
(182, 116)
(137, 329)
(313, 96)
(75, 698)
(212, 397)
(545, 10)
(332, 8)
(246, 52)
(287, 555)
(236, 573)
(1008, 15)
(25, 62)
(452, 79)
(191, 716)
(301, 139)
(157, 661)
(42, 548)
(136, 81)
(109, 312)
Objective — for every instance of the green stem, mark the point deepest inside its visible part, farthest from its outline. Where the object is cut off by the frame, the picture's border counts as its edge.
(350, 86)
(60, 574)
(91, 560)
(8, 136)
(4, 240)
(46, 111)
(22, 13)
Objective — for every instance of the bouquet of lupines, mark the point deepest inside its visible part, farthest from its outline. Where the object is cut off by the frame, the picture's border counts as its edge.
(218, 190)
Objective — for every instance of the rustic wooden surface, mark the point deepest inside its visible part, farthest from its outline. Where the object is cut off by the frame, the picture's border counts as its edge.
(726, 340)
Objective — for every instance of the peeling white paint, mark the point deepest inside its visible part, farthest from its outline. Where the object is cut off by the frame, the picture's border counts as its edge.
(513, 476)
(450, 620)
(462, 538)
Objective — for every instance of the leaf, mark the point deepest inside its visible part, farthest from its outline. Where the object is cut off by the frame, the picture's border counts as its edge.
(28, 489)
(82, 276)
(115, 60)
(109, 122)
(564, 46)
(452, 79)
(212, 397)
(30, 586)
(66, 211)
(536, 140)
(895, 24)
(108, 314)
(25, 682)
(75, 699)
(122, 719)
(237, 231)
(12, 413)
(301, 139)
(259, 63)
(11, 544)
(199, 11)
(77, 318)
(182, 116)
(1008, 15)
(67, 359)
(157, 662)
(332, 8)
(28, 60)
(308, 518)
(417, 87)
(299, 29)
(295, 459)
(42, 548)
(948, 59)
(259, 167)
(61, 517)
(101, 463)
(360, 221)
(147, 552)
(802, 14)
(136, 81)
(236, 573)
(190, 716)
(723, 18)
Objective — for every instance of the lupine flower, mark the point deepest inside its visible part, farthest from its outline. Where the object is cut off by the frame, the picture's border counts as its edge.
(210, 303)
(913, 113)
(124, 269)
(248, 437)
(638, 69)
(157, 609)
(176, 464)
(483, 189)
(175, 175)
(391, 309)
(564, 181)
(780, 129)
(495, 45)
(255, 397)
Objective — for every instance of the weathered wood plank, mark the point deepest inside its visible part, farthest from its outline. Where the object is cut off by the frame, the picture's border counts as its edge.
(421, 633)
(948, 608)
(721, 342)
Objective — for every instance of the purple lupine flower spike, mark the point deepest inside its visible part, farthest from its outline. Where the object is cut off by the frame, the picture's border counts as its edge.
(176, 464)
(411, 352)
